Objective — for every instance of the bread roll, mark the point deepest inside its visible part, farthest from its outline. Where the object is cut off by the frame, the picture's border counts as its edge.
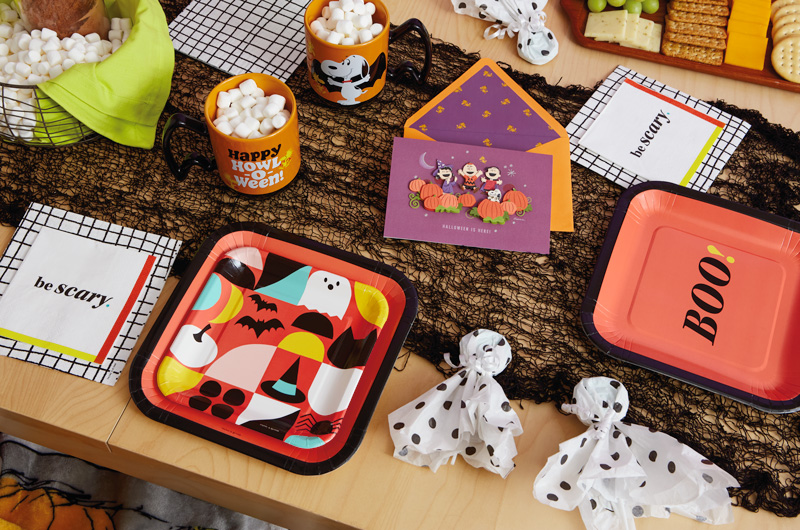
(66, 17)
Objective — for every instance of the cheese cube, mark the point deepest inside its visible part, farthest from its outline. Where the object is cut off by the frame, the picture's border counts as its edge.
(609, 25)
(746, 50)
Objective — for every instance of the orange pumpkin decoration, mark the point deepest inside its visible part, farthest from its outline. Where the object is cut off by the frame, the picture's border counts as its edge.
(518, 198)
(509, 207)
(431, 203)
(430, 190)
(416, 184)
(467, 200)
(448, 200)
(490, 210)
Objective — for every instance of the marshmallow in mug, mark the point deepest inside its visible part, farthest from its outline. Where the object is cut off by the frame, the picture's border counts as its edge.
(347, 22)
(247, 112)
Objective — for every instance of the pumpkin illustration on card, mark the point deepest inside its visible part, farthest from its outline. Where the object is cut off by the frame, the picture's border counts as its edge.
(469, 195)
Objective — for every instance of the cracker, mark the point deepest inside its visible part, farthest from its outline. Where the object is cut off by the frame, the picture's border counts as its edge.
(786, 58)
(695, 7)
(702, 30)
(785, 31)
(779, 4)
(696, 40)
(697, 18)
(785, 20)
(716, 2)
(697, 54)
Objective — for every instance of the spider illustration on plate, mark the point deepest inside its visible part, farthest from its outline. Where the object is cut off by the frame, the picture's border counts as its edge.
(308, 423)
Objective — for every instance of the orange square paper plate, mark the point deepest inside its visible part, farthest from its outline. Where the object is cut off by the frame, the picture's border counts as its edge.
(486, 107)
(703, 290)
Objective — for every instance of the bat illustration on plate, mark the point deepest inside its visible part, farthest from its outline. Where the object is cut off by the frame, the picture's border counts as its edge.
(263, 305)
(259, 326)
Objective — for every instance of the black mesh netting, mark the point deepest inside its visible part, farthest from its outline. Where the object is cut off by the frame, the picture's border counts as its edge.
(534, 300)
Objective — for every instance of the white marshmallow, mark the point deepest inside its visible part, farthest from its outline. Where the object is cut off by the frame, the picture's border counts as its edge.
(346, 5)
(36, 34)
(4, 51)
(115, 23)
(248, 86)
(266, 127)
(316, 26)
(22, 69)
(337, 14)
(278, 100)
(258, 93)
(23, 41)
(35, 44)
(223, 100)
(115, 45)
(334, 4)
(244, 129)
(125, 24)
(235, 94)
(344, 27)
(258, 112)
(19, 27)
(35, 79)
(326, 12)
(225, 128)
(235, 121)
(55, 71)
(92, 57)
(230, 113)
(348, 41)
(68, 44)
(68, 63)
(359, 10)
(255, 134)
(279, 120)
(220, 119)
(93, 37)
(3, 62)
(376, 29)
(237, 106)
(335, 37)
(115, 34)
(48, 34)
(330, 24)
(370, 8)
(323, 34)
(32, 56)
(349, 15)
(362, 21)
(247, 102)
(10, 67)
(76, 55)
(364, 35)
(42, 68)
(272, 109)
(52, 44)
(6, 31)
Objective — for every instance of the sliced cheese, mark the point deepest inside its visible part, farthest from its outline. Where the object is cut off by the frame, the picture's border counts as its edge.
(607, 26)
(746, 50)
(655, 39)
(643, 34)
(758, 13)
(747, 27)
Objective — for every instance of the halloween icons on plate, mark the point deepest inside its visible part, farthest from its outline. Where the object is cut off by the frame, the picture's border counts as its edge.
(275, 349)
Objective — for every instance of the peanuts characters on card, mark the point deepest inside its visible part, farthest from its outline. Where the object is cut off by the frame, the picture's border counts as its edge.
(487, 201)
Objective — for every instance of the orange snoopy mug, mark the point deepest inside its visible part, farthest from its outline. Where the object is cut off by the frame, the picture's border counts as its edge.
(352, 74)
(256, 166)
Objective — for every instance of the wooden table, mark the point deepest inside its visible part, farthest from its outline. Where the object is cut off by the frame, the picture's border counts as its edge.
(372, 490)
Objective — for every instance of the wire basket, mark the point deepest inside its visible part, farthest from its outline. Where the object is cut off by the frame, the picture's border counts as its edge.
(29, 117)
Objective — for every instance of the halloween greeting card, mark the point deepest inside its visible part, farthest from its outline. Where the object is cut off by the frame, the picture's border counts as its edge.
(469, 195)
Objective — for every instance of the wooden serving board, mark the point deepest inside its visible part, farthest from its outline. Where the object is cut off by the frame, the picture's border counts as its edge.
(577, 12)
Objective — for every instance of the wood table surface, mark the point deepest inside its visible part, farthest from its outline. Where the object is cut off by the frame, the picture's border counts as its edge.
(373, 490)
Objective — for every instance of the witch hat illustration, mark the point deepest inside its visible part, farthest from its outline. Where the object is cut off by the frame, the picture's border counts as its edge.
(285, 389)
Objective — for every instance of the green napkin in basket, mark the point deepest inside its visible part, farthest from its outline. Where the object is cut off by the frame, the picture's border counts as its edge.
(122, 97)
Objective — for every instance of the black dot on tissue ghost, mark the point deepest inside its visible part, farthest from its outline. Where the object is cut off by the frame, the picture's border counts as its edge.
(628, 441)
(615, 456)
(564, 459)
(565, 485)
(617, 407)
(403, 451)
(454, 434)
(490, 450)
(552, 497)
(605, 467)
(614, 383)
(671, 467)
(708, 478)
(638, 511)
(415, 438)
(707, 462)
(482, 386)
(616, 434)
(398, 426)
(593, 503)
(652, 456)
(506, 406)
(470, 450)
(545, 53)
(432, 423)
(605, 404)
(441, 387)
(420, 405)
(643, 484)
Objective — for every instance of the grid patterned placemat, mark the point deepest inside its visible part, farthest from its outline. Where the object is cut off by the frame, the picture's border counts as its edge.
(239, 36)
(716, 158)
(162, 248)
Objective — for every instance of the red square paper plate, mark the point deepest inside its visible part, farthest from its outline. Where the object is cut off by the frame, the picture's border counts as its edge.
(703, 290)
(275, 346)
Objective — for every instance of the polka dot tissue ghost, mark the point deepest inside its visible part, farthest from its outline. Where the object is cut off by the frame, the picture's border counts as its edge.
(617, 472)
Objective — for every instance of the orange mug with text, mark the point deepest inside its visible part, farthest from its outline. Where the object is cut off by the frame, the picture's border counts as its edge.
(351, 74)
(254, 166)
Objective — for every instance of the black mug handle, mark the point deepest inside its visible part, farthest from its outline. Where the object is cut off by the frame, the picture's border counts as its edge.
(195, 159)
(415, 25)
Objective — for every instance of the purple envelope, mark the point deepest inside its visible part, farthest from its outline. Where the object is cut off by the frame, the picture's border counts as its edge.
(421, 169)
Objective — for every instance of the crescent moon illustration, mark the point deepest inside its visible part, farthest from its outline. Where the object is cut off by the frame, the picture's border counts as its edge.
(422, 161)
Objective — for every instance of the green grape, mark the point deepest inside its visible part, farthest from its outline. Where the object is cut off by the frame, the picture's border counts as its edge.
(650, 6)
(616, 3)
(633, 6)
(595, 6)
